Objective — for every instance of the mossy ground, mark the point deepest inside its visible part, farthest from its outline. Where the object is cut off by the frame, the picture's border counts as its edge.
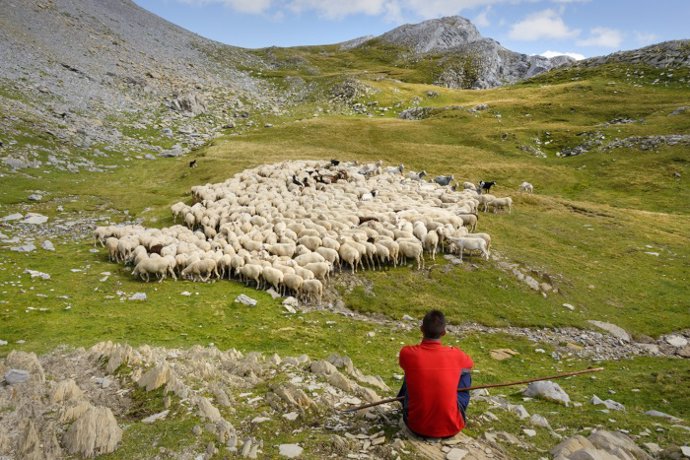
(589, 226)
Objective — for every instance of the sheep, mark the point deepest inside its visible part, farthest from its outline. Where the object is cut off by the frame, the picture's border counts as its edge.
(349, 254)
(292, 283)
(111, 246)
(485, 236)
(203, 269)
(281, 249)
(469, 186)
(312, 290)
(412, 250)
(444, 180)
(418, 176)
(470, 244)
(329, 254)
(501, 203)
(430, 242)
(526, 187)
(469, 220)
(319, 269)
(251, 272)
(395, 169)
(309, 257)
(273, 276)
(159, 266)
(485, 199)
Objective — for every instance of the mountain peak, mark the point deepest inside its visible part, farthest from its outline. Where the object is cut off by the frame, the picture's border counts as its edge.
(434, 34)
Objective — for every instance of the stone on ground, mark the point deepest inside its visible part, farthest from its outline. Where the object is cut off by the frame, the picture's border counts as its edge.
(548, 390)
(612, 329)
(245, 300)
(290, 450)
(94, 433)
(501, 354)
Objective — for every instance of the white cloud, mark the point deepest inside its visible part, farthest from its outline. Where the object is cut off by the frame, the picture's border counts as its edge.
(644, 38)
(549, 54)
(243, 6)
(436, 8)
(336, 9)
(482, 19)
(543, 24)
(604, 37)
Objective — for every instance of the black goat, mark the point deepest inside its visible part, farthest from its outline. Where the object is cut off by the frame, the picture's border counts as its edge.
(484, 187)
(192, 164)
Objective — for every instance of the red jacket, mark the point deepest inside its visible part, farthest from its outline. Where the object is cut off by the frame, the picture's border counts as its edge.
(432, 373)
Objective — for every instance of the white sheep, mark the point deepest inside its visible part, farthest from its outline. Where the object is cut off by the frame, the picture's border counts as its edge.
(501, 203)
(201, 269)
(470, 244)
(412, 250)
(312, 290)
(431, 242)
(526, 187)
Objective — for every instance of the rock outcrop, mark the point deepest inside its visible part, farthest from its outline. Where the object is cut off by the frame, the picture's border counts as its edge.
(467, 59)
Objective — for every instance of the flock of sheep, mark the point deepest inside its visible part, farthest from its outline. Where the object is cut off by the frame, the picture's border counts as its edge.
(290, 225)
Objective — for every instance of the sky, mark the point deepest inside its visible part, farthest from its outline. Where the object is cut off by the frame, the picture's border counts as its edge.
(580, 28)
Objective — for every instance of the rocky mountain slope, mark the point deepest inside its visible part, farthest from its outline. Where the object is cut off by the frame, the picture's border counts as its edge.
(675, 53)
(470, 60)
(89, 73)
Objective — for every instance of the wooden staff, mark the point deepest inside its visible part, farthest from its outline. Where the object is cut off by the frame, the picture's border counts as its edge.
(491, 385)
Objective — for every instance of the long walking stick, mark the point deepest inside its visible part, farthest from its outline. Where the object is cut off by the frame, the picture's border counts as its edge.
(491, 385)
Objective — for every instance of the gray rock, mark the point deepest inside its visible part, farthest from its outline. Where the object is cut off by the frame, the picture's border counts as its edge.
(37, 274)
(245, 300)
(456, 453)
(15, 376)
(28, 247)
(35, 219)
(656, 413)
(174, 151)
(11, 217)
(138, 296)
(676, 341)
(548, 390)
(48, 245)
(609, 403)
(35, 197)
(155, 417)
(3, 343)
(612, 329)
(290, 450)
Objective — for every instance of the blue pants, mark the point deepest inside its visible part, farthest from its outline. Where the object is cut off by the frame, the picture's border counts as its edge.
(463, 396)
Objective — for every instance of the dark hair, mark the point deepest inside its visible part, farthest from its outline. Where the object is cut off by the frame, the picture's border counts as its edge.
(433, 325)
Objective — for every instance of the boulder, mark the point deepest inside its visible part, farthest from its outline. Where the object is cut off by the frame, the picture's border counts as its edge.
(501, 354)
(245, 300)
(547, 390)
(66, 390)
(15, 376)
(612, 329)
(95, 432)
(290, 450)
(676, 341)
(20, 360)
(30, 443)
(609, 403)
(155, 377)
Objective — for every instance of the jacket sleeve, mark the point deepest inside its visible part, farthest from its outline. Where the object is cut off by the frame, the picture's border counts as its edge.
(402, 357)
(465, 360)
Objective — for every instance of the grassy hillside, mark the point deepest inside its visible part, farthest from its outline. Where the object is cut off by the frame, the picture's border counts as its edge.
(610, 229)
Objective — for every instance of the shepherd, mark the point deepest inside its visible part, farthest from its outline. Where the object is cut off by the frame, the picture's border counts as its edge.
(432, 405)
